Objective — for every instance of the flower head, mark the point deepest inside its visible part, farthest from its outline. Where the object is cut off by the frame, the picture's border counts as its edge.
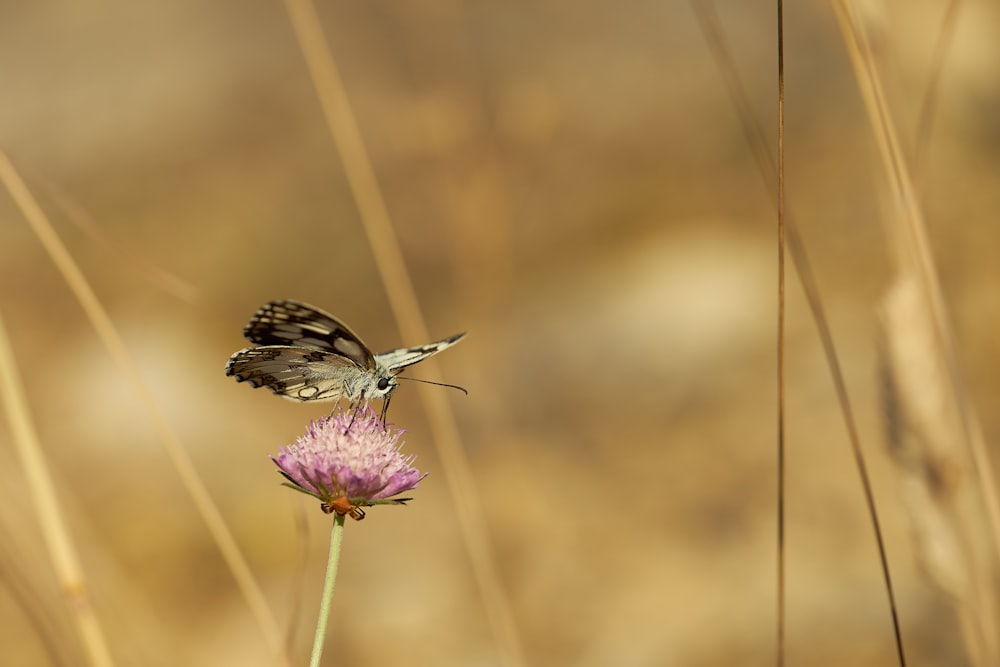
(347, 461)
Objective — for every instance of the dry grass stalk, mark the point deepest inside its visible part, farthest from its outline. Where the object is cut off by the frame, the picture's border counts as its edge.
(927, 443)
(928, 107)
(58, 540)
(936, 440)
(796, 248)
(178, 456)
(157, 276)
(409, 318)
(908, 238)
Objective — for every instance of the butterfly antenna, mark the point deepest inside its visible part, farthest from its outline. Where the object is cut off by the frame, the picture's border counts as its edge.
(440, 384)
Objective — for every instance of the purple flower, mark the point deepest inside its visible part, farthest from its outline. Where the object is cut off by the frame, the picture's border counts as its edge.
(347, 461)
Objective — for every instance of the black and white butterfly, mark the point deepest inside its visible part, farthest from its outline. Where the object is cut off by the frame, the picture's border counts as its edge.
(306, 354)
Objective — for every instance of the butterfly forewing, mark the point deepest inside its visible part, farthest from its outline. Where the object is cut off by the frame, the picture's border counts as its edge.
(299, 324)
(395, 360)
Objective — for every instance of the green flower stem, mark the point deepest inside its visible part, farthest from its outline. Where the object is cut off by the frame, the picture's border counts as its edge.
(336, 537)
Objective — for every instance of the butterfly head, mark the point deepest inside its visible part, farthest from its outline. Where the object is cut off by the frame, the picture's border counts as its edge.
(383, 384)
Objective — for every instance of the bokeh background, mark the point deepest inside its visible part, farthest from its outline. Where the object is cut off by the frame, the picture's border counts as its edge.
(570, 184)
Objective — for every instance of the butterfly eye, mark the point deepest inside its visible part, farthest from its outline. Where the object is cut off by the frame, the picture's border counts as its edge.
(383, 384)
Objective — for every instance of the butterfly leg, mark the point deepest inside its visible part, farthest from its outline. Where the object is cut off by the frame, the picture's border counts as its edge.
(385, 409)
(355, 407)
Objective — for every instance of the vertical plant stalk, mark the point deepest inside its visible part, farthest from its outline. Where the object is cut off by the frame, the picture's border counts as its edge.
(62, 550)
(409, 319)
(182, 463)
(155, 275)
(332, 561)
(909, 236)
(298, 584)
(797, 250)
(932, 465)
(942, 442)
(780, 656)
(925, 121)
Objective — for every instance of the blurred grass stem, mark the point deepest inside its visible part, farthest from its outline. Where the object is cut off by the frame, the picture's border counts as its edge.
(106, 331)
(405, 307)
(781, 338)
(62, 550)
(797, 250)
(915, 276)
(909, 238)
(928, 108)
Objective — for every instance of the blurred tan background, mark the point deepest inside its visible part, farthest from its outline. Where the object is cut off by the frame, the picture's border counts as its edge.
(571, 184)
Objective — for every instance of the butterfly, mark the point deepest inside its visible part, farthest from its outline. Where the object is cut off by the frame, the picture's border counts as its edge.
(306, 354)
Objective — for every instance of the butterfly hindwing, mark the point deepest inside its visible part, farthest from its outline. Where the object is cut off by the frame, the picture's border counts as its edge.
(293, 323)
(396, 360)
(296, 373)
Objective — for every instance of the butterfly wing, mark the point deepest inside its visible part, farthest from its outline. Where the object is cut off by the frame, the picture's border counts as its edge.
(297, 373)
(293, 323)
(396, 360)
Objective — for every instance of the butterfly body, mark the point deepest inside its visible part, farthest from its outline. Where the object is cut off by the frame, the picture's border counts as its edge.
(306, 354)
